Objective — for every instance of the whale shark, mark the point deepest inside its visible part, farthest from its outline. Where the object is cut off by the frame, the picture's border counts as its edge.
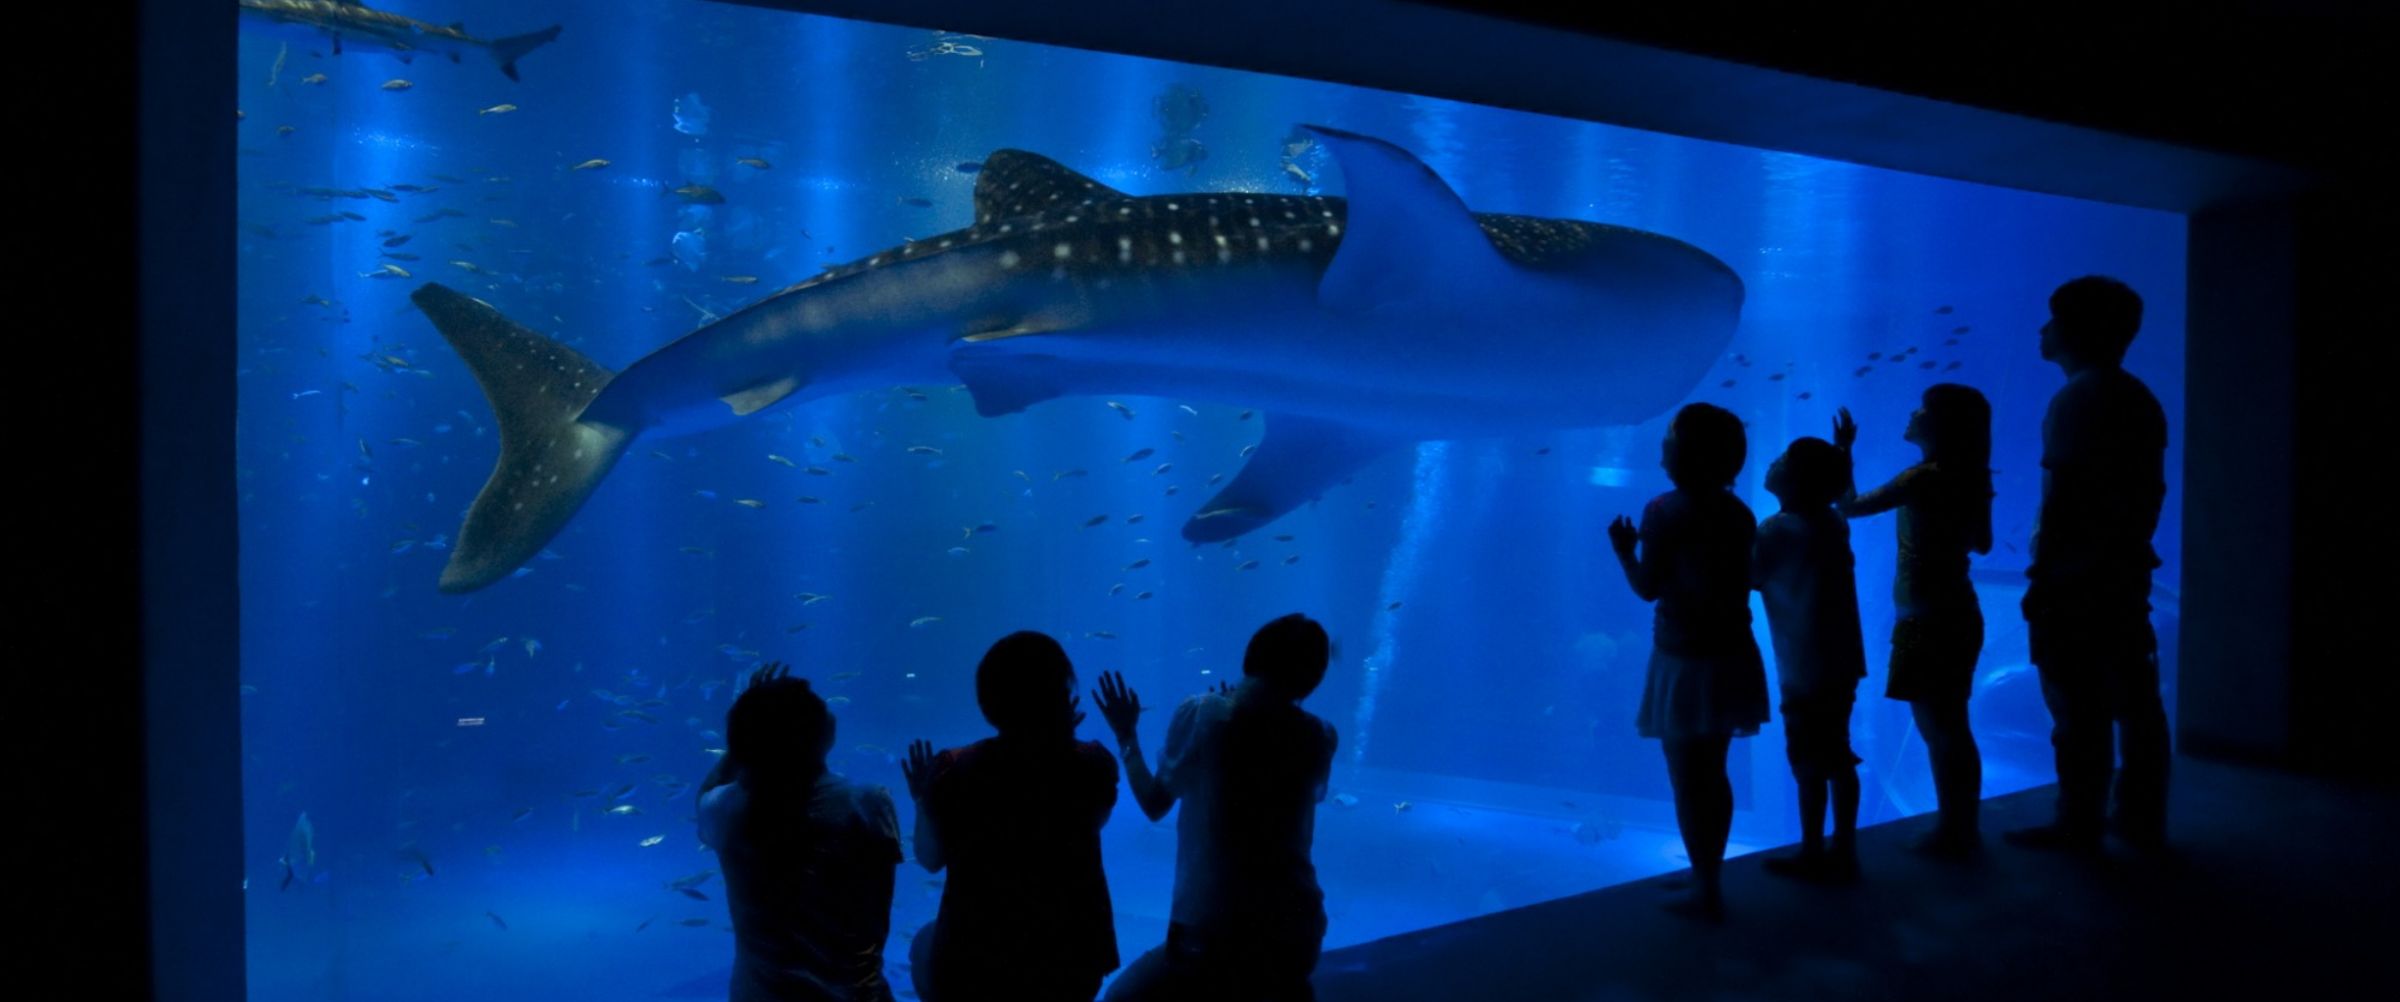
(1354, 325)
(403, 36)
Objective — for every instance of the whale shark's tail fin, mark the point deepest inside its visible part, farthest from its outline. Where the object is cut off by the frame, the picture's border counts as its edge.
(550, 460)
(514, 47)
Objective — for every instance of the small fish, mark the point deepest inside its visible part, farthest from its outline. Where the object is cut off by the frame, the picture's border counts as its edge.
(773, 458)
(1247, 565)
(1927, 364)
(818, 471)
(924, 620)
(1862, 370)
(1290, 560)
(1401, 807)
(522, 814)
(532, 647)
(969, 167)
(757, 163)
(1297, 174)
(1095, 520)
(1285, 538)
(750, 502)
(623, 810)
(280, 130)
(1064, 474)
(1344, 801)
(1942, 309)
(398, 240)
(645, 923)
(692, 893)
(1121, 409)
(1775, 377)
(1139, 596)
(652, 840)
(1116, 588)
(1247, 450)
(397, 84)
(811, 499)
(1162, 468)
(698, 194)
(838, 701)
(496, 920)
(1133, 520)
(594, 163)
(1952, 367)
(497, 109)
(1138, 564)
(313, 78)
(922, 203)
(812, 598)
(1100, 635)
(1804, 394)
(693, 923)
(924, 450)
(742, 279)
(1394, 607)
(1728, 384)
(844, 457)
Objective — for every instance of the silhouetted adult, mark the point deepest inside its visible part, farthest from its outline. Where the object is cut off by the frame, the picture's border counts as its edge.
(808, 855)
(2087, 606)
(1249, 766)
(1016, 820)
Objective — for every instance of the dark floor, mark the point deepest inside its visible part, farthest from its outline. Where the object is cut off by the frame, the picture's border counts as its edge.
(2282, 887)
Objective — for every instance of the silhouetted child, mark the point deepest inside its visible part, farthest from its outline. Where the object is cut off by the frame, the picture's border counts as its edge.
(808, 856)
(1945, 504)
(1016, 819)
(1804, 572)
(1249, 766)
(2087, 607)
(1707, 684)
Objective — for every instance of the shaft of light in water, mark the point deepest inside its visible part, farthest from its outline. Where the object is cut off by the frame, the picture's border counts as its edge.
(1400, 578)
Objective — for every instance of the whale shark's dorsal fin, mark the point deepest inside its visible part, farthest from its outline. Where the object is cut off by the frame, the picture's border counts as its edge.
(1017, 183)
(1409, 236)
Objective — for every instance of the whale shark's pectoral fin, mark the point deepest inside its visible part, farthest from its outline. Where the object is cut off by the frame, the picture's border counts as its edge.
(1410, 240)
(1296, 461)
(1005, 382)
(760, 397)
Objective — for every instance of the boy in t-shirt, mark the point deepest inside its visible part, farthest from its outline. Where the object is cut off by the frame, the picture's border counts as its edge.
(1250, 767)
(1804, 571)
(1016, 820)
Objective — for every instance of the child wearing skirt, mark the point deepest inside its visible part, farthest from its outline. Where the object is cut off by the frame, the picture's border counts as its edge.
(1945, 505)
(1707, 683)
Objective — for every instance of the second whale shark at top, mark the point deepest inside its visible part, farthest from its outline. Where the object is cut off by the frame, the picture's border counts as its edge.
(1356, 325)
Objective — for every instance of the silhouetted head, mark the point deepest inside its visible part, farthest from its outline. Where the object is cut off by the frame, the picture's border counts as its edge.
(1953, 424)
(1288, 656)
(2092, 322)
(1810, 474)
(1025, 686)
(779, 731)
(1704, 448)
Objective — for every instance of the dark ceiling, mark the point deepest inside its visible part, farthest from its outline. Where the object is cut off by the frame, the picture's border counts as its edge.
(2310, 85)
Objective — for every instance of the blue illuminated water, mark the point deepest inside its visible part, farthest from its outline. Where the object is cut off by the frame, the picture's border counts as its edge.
(1495, 701)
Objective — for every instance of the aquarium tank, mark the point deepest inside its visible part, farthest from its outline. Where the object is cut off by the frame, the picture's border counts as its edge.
(472, 730)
